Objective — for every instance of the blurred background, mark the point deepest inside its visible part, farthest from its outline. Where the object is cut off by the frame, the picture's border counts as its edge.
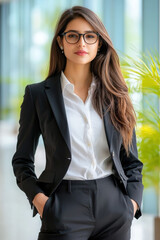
(26, 31)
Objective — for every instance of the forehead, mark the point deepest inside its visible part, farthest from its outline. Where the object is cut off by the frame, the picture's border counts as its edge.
(79, 24)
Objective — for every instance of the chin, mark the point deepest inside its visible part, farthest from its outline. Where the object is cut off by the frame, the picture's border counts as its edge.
(82, 61)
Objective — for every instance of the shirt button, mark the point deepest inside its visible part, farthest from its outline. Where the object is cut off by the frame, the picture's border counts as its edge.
(93, 164)
(85, 118)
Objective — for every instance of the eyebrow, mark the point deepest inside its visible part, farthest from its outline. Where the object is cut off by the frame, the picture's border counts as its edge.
(89, 31)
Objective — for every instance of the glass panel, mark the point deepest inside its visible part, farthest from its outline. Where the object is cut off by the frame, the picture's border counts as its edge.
(133, 26)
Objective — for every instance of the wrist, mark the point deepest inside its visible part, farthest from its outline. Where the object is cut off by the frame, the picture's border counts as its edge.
(135, 205)
(38, 198)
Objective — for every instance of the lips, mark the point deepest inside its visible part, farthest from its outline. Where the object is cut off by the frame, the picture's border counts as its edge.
(81, 53)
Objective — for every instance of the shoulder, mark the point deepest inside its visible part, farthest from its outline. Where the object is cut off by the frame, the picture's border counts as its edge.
(37, 88)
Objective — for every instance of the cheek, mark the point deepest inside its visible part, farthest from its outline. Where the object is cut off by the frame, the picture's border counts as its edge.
(93, 51)
(67, 52)
(67, 49)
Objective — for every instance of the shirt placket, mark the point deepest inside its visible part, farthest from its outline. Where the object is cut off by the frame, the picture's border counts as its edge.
(89, 143)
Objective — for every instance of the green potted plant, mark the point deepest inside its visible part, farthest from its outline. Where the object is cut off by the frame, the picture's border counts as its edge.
(145, 72)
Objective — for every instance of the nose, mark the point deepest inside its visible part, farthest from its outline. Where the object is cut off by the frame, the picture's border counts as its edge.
(81, 41)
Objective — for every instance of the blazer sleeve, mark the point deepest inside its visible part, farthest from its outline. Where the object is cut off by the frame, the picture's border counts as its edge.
(133, 169)
(23, 159)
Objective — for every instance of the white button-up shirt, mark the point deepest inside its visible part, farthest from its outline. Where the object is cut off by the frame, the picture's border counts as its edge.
(90, 156)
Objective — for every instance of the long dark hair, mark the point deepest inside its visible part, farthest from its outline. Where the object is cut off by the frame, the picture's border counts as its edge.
(111, 92)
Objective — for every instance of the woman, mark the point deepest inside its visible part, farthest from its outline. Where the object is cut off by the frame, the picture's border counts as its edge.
(92, 184)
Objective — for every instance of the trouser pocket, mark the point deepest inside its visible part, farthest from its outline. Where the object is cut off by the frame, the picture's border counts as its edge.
(66, 210)
(46, 207)
(130, 206)
(125, 200)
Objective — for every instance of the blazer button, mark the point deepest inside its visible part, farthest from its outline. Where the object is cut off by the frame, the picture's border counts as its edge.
(69, 158)
(112, 154)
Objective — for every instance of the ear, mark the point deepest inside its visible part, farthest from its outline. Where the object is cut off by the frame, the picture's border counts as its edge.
(60, 42)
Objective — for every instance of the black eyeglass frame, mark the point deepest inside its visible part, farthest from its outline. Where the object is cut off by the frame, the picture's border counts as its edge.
(79, 36)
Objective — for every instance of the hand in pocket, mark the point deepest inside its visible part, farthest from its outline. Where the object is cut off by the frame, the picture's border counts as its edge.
(135, 206)
(39, 202)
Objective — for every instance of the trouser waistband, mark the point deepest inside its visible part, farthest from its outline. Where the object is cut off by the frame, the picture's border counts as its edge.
(91, 183)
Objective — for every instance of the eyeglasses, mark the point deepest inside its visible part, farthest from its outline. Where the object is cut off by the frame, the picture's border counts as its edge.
(73, 37)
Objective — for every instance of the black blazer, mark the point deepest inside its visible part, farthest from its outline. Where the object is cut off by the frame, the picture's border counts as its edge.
(43, 112)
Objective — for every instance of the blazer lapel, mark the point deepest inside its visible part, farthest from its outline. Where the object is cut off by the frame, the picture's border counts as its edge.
(109, 129)
(113, 136)
(55, 98)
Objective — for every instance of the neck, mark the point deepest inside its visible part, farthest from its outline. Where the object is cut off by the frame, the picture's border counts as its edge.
(79, 75)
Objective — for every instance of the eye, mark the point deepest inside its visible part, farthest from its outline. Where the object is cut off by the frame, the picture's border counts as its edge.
(91, 36)
(72, 35)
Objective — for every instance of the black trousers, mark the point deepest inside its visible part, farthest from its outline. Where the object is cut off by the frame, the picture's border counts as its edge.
(87, 210)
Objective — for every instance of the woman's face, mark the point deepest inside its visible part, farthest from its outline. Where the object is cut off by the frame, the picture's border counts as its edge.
(80, 52)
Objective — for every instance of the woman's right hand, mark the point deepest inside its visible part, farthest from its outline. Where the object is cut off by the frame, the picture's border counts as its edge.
(39, 201)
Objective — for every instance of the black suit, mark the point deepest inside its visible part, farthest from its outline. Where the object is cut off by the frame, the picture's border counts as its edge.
(43, 112)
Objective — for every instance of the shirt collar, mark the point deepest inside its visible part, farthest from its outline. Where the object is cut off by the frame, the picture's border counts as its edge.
(66, 84)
